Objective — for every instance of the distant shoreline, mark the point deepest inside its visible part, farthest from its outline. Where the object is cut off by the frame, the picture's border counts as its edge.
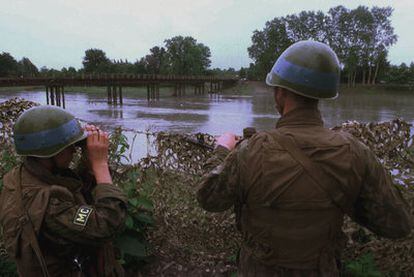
(244, 86)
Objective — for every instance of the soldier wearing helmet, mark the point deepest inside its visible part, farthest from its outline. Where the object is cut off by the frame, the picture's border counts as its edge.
(291, 186)
(56, 222)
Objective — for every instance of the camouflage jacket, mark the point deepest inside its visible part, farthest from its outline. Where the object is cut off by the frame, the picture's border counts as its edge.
(287, 222)
(71, 230)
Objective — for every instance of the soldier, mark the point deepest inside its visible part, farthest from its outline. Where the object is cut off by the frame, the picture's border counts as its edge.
(56, 223)
(291, 186)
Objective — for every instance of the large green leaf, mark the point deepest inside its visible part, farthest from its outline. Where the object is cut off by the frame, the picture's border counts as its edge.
(131, 245)
(145, 218)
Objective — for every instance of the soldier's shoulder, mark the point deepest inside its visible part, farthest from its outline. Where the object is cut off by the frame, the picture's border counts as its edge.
(11, 176)
(351, 139)
(60, 194)
(357, 147)
(255, 141)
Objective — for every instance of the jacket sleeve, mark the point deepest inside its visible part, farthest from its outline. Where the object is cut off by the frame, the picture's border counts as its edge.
(217, 188)
(380, 207)
(86, 224)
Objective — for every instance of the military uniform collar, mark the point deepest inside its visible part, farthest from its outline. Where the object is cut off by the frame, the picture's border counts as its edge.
(301, 116)
(66, 178)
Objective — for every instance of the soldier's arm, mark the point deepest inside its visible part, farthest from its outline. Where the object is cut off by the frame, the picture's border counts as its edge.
(380, 206)
(86, 224)
(217, 188)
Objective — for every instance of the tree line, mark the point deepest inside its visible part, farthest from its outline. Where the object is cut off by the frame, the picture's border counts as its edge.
(361, 37)
(179, 56)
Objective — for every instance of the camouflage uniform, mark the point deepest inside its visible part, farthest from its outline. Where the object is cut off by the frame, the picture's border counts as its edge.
(73, 226)
(290, 226)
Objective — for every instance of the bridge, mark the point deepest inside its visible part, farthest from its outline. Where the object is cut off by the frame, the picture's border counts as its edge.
(55, 93)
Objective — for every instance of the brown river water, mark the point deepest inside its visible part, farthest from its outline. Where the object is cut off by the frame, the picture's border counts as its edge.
(231, 111)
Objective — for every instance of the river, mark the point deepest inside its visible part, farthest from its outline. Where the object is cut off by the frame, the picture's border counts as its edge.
(216, 114)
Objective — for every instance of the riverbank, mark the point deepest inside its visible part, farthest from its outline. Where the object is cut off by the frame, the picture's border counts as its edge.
(19, 89)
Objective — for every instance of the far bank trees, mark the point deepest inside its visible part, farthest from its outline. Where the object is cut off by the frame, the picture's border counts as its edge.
(361, 38)
(179, 56)
(10, 67)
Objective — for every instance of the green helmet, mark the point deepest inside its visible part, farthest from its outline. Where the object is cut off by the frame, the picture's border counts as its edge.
(308, 68)
(44, 131)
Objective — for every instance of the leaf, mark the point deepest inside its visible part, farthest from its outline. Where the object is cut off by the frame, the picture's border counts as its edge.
(131, 245)
(133, 202)
(144, 203)
(145, 218)
(129, 222)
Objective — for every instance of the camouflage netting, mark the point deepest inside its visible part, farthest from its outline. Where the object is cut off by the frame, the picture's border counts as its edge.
(9, 112)
(187, 235)
(392, 143)
(184, 153)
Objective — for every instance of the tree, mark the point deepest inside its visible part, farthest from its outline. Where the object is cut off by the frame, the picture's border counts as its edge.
(383, 38)
(156, 62)
(95, 61)
(361, 38)
(8, 65)
(268, 44)
(308, 25)
(243, 73)
(139, 67)
(27, 68)
(186, 56)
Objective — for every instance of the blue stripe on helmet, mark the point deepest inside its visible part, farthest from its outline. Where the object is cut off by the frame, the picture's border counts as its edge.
(48, 138)
(304, 76)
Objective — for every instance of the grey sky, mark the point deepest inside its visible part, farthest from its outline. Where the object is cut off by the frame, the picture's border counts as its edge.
(56, 33)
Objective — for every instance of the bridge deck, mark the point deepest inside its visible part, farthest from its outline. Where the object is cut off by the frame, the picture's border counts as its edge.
(113, 80)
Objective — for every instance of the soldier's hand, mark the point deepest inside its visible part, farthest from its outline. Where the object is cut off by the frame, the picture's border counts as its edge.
(97, 145)
(227, 140)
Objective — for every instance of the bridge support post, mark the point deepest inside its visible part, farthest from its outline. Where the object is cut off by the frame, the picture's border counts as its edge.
(63, 96)
(114, 100)
(148, 92)
(121, 101)
(108, 90)
(158, 91)
(52, 96)
(57, 92)
(47, 95)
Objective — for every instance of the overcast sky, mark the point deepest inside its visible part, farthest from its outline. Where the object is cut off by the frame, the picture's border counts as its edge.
(56, 33)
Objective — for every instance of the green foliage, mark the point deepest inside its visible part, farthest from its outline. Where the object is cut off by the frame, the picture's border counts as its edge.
(399, 74)
(95, 61)
(268, 44)
(186, 56)
(7, 268)
(361, 38)
(8, 65)
(156, 62)
(132, 242)
(27, 68)
(364, 266)
(118, 149)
